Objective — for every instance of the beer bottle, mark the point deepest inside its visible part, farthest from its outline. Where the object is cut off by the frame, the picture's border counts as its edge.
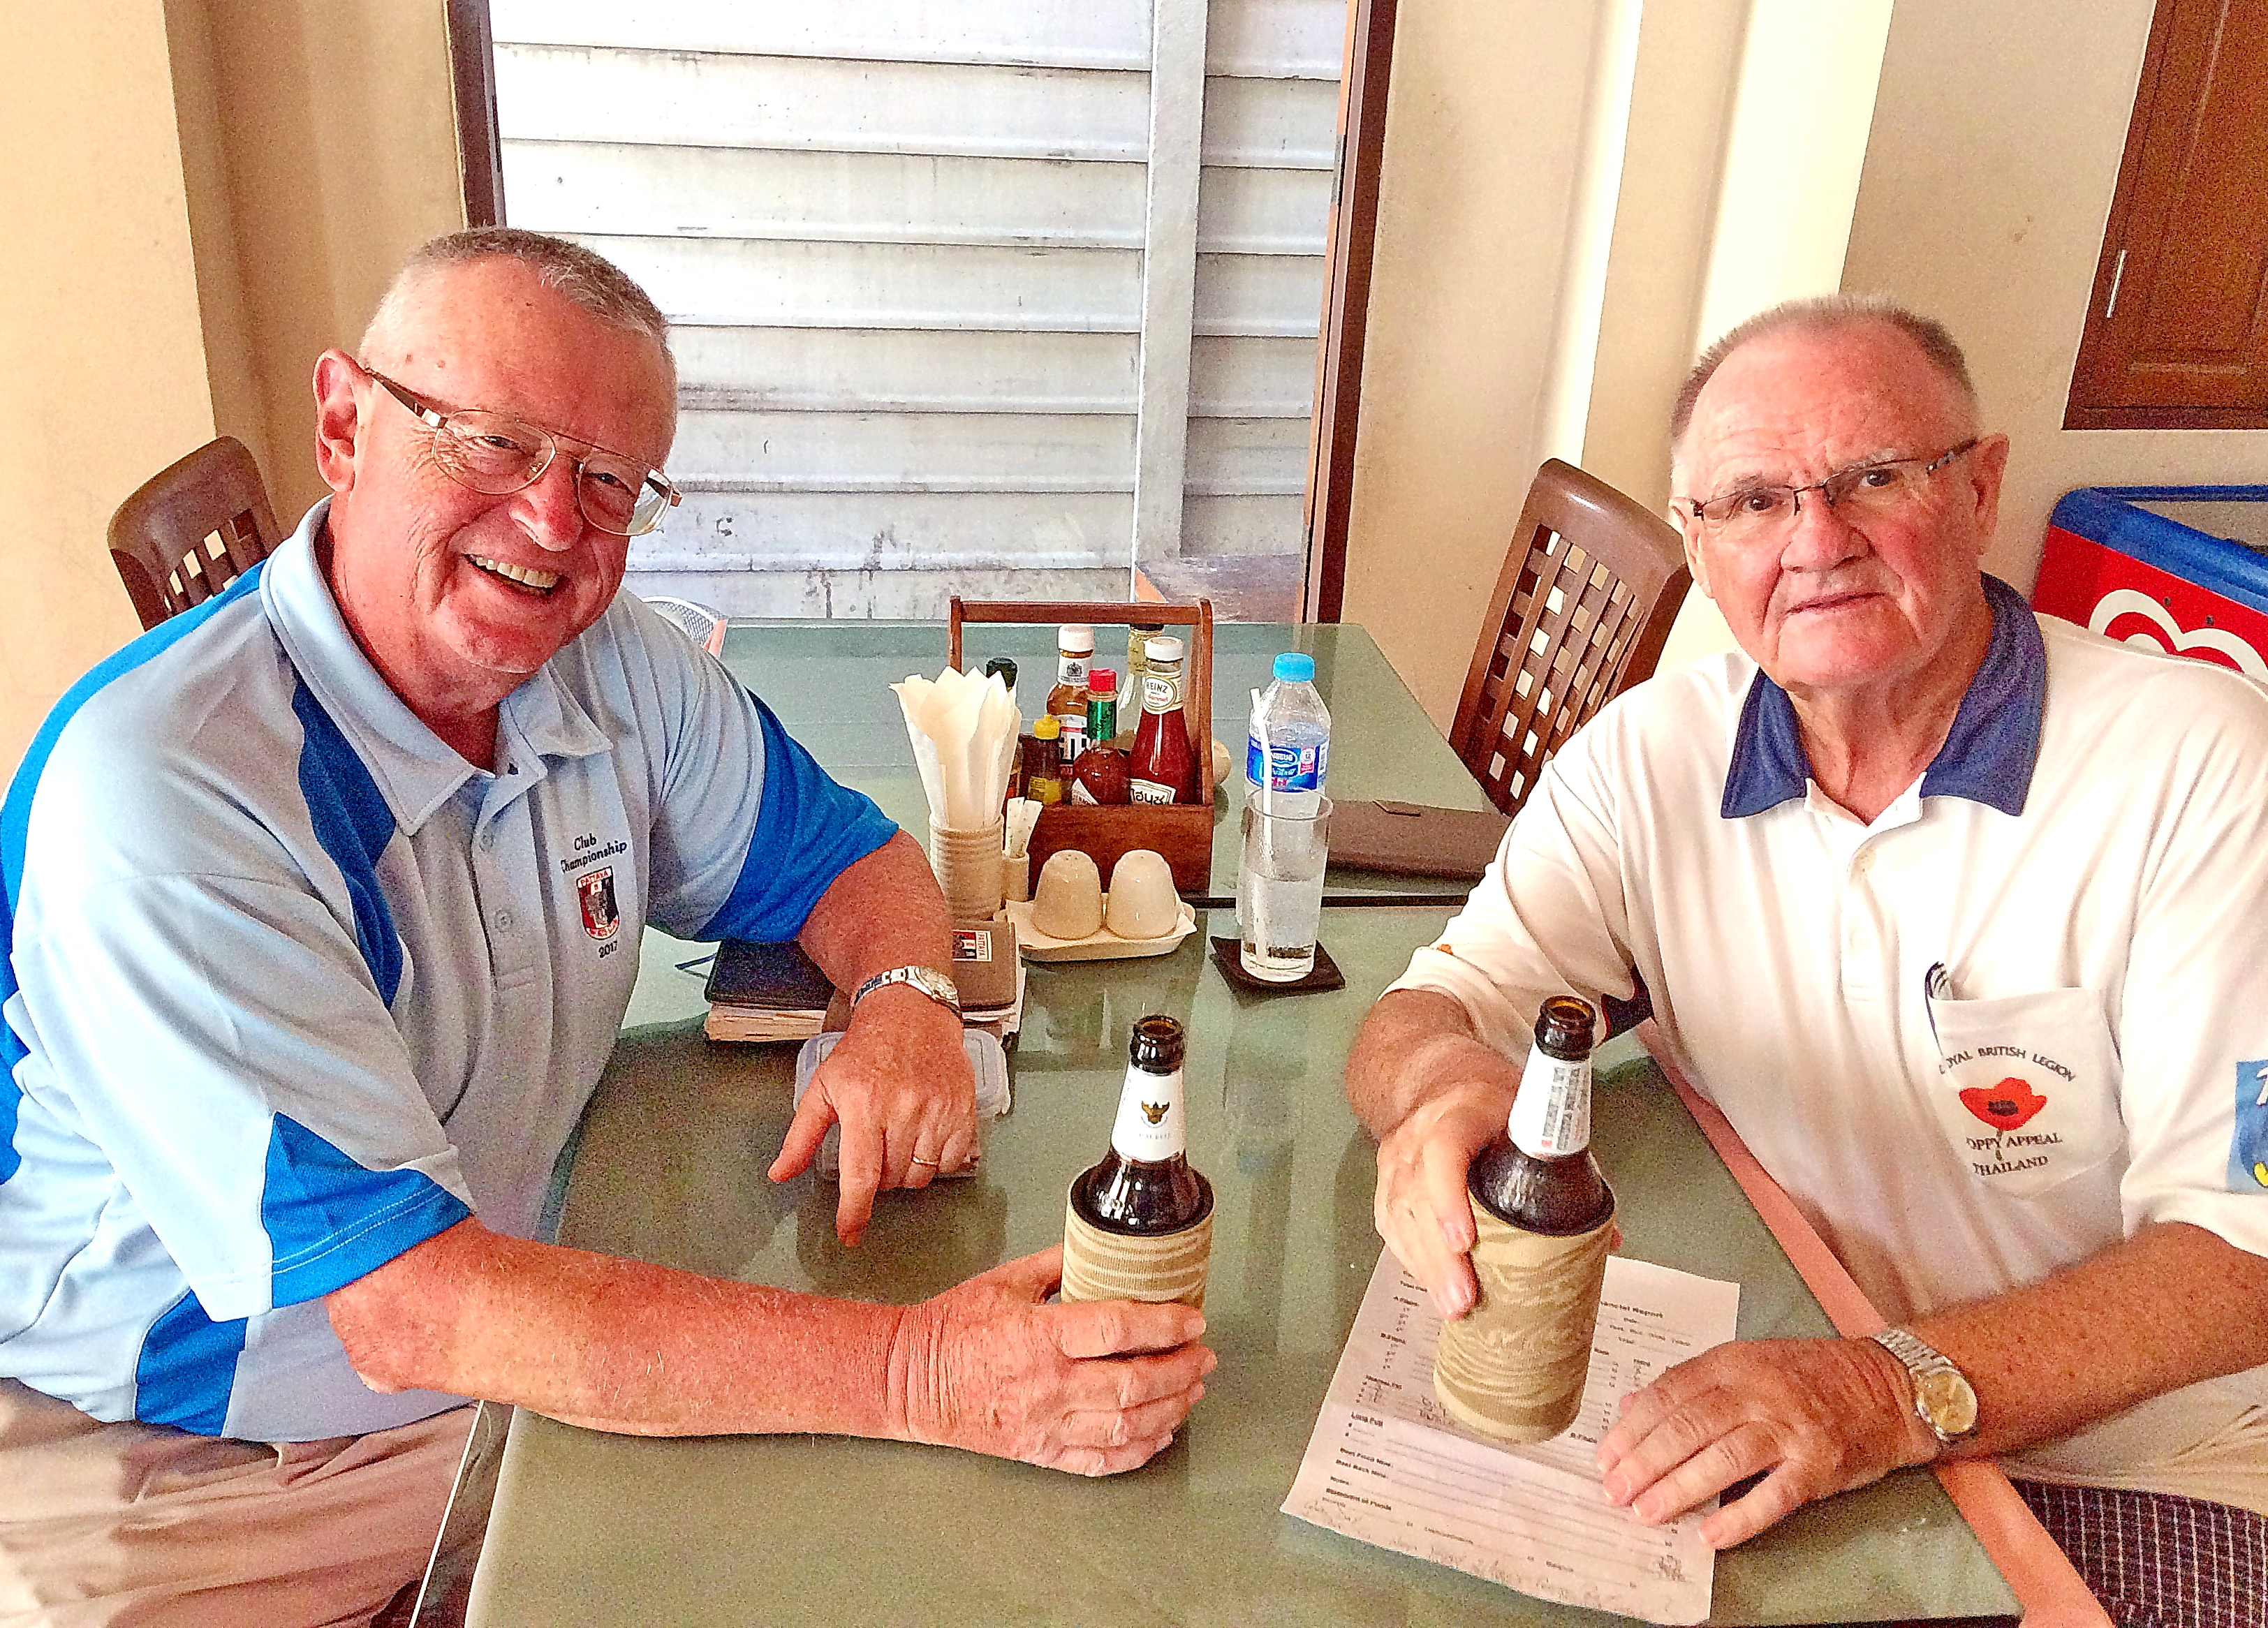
(1514, 1365)
(1143, 1183)
(1539, 1176)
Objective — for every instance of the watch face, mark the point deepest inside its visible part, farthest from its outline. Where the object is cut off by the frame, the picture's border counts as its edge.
(1947, 1403)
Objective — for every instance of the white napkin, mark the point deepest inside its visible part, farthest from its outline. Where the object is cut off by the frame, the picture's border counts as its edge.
(963, 727)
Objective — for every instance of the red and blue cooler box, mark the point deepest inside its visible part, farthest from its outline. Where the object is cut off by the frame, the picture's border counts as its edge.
(2182, 568)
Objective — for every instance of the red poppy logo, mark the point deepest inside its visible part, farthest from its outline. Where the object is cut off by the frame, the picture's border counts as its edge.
(2004, 1106)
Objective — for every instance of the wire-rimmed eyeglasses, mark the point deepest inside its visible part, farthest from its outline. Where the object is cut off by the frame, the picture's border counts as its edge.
(498, 454)
(1861, 493)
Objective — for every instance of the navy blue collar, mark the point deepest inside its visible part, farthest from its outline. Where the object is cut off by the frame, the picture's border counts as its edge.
(1988, 757)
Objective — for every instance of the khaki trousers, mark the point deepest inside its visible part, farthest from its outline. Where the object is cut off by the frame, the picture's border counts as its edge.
(131, 1525)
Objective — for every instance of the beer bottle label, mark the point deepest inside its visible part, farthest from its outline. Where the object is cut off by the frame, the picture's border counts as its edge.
(1551, 1115)
(1149, 1129)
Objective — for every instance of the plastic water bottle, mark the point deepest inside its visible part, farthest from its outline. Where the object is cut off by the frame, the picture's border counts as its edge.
(1289, 747)
(1286, 754)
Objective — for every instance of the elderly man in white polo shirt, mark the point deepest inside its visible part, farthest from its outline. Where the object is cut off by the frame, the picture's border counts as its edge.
(323, 902)
(1956, 913)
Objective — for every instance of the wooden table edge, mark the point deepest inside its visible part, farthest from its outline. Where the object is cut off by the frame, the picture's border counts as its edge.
(2050, 1591)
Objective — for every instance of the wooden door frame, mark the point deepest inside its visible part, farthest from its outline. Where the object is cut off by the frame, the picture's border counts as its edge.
(479, 145)
(1348, 251)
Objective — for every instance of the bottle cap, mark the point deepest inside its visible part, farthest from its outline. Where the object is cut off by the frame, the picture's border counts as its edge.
(1294, 668)
(1077, 637)
(1047, 727)
(1101, 681)
(1006, 667)
(1164, 647)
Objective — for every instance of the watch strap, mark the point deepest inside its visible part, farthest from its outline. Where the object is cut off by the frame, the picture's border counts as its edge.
(925, 980)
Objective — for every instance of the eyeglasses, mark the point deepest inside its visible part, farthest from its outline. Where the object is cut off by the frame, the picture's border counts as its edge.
(1861, 493)
(498, 454)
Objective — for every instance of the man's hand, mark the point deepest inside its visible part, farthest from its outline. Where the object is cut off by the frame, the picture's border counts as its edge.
(900, 1085)
(1817, 1416)
(1434, 1096)
(1092, 1389)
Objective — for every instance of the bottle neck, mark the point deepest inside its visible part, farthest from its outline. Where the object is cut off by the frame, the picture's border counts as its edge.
(1161, 690)
(1551, 1114)
(1149, 1129)
(1071, 667)
(1102, 719)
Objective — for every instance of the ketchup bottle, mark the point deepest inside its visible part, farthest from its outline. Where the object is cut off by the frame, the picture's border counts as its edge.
(1164, 766)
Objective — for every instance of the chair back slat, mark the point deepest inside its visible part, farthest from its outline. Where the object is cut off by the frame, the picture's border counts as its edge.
(1582, 607)
(192, 529)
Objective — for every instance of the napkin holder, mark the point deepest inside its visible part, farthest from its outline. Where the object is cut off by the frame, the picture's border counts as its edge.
(1182, 831)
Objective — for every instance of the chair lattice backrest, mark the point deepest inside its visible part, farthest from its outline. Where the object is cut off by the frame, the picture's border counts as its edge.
(1585, 602)
(192, 529)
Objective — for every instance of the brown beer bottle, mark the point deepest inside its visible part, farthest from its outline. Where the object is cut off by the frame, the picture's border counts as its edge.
(1539, 1176)
(1145, 1184)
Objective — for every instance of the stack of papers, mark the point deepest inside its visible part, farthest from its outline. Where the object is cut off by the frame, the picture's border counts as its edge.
(1388, 1465)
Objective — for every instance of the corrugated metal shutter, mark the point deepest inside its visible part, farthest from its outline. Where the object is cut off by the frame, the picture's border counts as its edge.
(904, 242)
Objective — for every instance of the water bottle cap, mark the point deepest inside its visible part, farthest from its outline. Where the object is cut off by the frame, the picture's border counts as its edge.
(1294, 668)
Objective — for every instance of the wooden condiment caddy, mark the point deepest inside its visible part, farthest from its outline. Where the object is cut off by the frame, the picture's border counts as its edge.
(1182, 831)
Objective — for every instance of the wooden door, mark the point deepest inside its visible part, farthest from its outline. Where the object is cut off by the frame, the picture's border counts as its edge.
(2177, 332)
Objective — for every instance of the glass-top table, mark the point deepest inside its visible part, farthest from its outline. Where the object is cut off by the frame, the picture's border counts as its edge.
(596, 1529)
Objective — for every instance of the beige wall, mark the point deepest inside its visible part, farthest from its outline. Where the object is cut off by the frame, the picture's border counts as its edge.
(1574, 199)
(104, 378)
(1484, 118)
(189, 240)
(1988, 178)
(337, 148)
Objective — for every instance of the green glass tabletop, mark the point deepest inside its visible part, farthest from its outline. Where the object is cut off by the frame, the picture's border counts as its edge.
(829, 684)
(598, 1529)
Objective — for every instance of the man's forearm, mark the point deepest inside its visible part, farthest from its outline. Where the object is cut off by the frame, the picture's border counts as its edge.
(617, 1344)
(2172, 1305)
(884, 910)
(1394, 1067)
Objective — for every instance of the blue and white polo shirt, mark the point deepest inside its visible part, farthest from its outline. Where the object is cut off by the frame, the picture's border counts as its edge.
(291, 987)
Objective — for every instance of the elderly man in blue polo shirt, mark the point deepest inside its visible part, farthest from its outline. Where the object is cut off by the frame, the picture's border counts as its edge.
(1956, 913)
(324, 901)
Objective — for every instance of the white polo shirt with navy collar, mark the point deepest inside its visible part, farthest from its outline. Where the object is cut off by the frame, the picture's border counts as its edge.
(2020, 1015)
(291, 987)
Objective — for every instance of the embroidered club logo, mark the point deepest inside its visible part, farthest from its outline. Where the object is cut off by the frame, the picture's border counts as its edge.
(2004, 1106)
(600, 920)
(2248, 1142)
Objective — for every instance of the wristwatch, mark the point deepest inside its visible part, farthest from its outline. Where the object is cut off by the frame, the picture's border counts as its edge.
(1943, 1398)
(927, 980)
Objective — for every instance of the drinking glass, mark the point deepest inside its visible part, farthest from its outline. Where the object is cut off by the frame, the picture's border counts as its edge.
(1282, 888)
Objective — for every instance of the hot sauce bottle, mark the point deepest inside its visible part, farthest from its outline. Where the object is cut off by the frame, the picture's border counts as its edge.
(1164, 766)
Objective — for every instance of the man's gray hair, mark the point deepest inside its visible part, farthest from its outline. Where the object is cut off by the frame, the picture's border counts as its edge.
(589, 280)
(1821, 313)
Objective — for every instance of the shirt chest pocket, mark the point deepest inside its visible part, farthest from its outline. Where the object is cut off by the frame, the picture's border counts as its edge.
(2027, 1089)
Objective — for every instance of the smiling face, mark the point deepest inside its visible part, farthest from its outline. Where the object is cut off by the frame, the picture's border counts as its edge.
(457, 595)
(1830, 610)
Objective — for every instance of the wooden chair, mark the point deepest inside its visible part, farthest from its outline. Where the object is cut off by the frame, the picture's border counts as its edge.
(191, 529)
(1581, 610)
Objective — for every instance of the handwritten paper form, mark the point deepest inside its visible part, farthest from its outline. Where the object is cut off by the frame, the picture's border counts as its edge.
(1385, 1464)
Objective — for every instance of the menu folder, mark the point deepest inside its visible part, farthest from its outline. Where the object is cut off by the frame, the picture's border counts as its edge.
(1414, 838)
